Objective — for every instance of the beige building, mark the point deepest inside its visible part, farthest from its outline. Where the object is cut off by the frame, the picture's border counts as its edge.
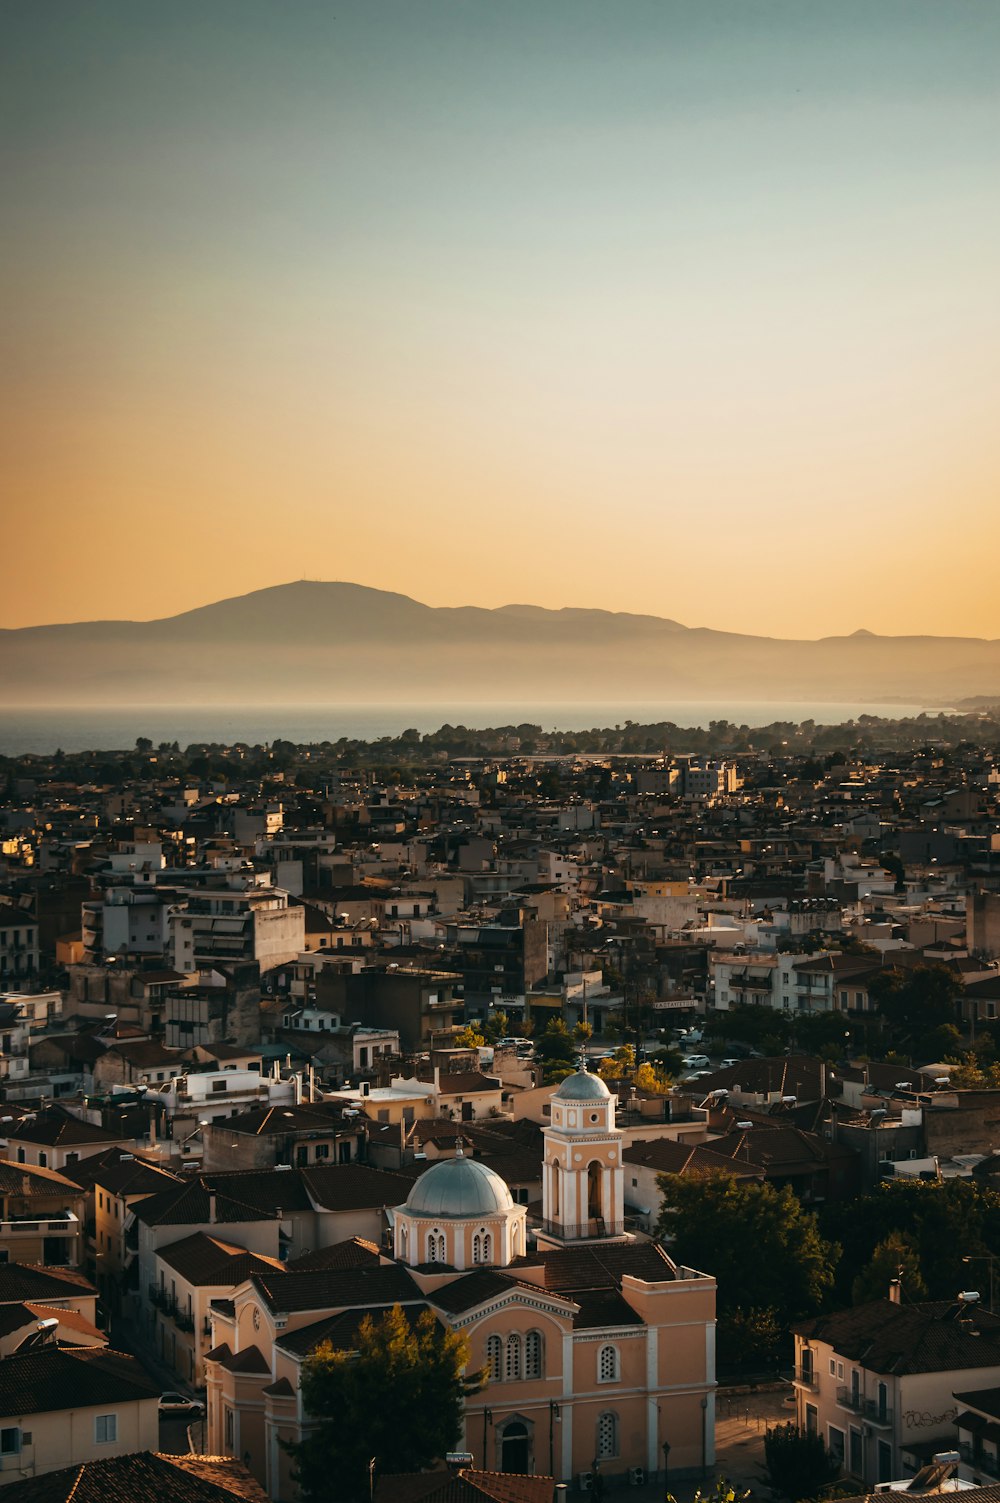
(878, 1382)
(599, 1349)
(62, 1407)
(41, 1216)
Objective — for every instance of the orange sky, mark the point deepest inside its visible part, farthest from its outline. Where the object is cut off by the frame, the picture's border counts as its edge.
(682, 309)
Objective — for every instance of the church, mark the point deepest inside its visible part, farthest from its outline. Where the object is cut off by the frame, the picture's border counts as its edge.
(600, 1350)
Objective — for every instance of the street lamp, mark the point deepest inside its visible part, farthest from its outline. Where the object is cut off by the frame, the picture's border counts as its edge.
(554, 1414)
(666, 1468)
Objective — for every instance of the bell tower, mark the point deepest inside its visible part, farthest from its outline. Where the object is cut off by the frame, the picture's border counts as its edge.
(583, 1178)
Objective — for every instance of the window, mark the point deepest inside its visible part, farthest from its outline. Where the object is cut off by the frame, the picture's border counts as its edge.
(857, 1453)
(435, 1247)
(835, 1443)
(512, 1371)
(482, 1247)
(10, 1441)
(229, 1428)
(607, 1436)
(812, 1419)
(533, 1353)
(607, 1369)
(494, 1358)
(105, 1429)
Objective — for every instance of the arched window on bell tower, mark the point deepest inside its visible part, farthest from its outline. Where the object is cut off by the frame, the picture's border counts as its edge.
(595, 1202)
(554, 1211)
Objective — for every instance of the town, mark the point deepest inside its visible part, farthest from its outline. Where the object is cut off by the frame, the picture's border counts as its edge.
(644, 1068)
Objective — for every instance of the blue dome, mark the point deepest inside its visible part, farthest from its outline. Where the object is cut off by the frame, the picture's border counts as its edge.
(582, 1087)
(458, 1189)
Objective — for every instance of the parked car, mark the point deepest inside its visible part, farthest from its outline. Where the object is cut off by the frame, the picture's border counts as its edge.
(179, 1406)
(696, 1062)
(727, 1064)
(691, 1036)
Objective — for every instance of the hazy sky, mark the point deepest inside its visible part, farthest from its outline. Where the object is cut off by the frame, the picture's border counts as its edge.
(679, 306)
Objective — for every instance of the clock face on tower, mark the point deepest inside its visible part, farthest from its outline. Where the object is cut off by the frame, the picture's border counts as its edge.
(256, 1318)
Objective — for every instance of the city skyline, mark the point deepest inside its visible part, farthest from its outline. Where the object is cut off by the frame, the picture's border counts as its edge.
(675, 309)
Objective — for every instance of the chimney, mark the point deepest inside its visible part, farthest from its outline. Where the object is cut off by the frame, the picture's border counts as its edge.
(895, 1292)
(211, 1207)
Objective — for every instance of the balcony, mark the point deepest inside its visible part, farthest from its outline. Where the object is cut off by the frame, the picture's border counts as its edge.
(805, 1377)
(984, 1463)
(875, 1413)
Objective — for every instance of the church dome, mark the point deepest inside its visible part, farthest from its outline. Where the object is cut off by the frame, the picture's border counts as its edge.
(582, 1087)
(458, 1188)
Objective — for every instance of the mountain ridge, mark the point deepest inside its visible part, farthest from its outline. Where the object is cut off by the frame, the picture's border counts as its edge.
(294, 638)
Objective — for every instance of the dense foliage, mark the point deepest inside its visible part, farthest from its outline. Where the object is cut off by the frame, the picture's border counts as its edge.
(397, 1400)
(769, 1259)
(798, 1463)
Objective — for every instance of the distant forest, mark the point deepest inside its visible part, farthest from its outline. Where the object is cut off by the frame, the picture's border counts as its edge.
(815, 744)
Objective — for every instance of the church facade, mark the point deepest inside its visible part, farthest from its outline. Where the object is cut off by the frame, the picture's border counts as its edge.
(600, 1351)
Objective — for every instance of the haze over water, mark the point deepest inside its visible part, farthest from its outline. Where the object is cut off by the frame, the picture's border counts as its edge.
(41, 731)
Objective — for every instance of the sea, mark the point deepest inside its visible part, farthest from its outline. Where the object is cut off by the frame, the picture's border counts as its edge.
(42, 730)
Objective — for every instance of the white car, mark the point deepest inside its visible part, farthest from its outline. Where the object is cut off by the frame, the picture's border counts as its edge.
(181, 1406)
(696, 1062)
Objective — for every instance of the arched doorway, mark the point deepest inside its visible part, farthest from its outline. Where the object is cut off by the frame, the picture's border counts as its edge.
(514, 1447)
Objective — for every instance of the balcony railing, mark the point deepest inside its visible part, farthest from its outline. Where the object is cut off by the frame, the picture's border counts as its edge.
(981, 1461)
(806, 1377)
(579, 1231)
(870, 1409)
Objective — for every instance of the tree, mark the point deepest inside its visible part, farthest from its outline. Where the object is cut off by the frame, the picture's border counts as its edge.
(620, 1065)
(915, 1003)
(495, 1026)
(143, 744)
(555, 1051)
(652, 1079)
(722, 1492)
(765, 1251)
(399, 1396)
(468, 1038)
(943, 1220)
(895, 1257)
(798, 1463)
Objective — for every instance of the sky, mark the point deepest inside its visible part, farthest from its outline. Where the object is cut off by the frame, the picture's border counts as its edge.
(685, 307)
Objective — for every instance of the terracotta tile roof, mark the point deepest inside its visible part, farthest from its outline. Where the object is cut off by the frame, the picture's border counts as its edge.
(120, 1172)
(332, 1289)
(602, 1266)
(466, 1083)
(355, 1187)
(205, 1260)
(52, 1378)
(249, 1360)
(31, 1281)
(59, 1129)
(28, 1180)
(188, 1203)
(600, 1308)
(282, 1389)
(467, 1486)
(471, 1290)
(986, 1399)
(341, 1331)
(925, 1338)
(122, 1479)
(356, 1252)
(69, 1320)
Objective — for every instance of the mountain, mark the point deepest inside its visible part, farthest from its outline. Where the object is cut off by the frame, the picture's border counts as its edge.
(313, 642)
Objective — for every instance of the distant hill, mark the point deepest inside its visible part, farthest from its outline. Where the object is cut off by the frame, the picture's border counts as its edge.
(312, 642)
